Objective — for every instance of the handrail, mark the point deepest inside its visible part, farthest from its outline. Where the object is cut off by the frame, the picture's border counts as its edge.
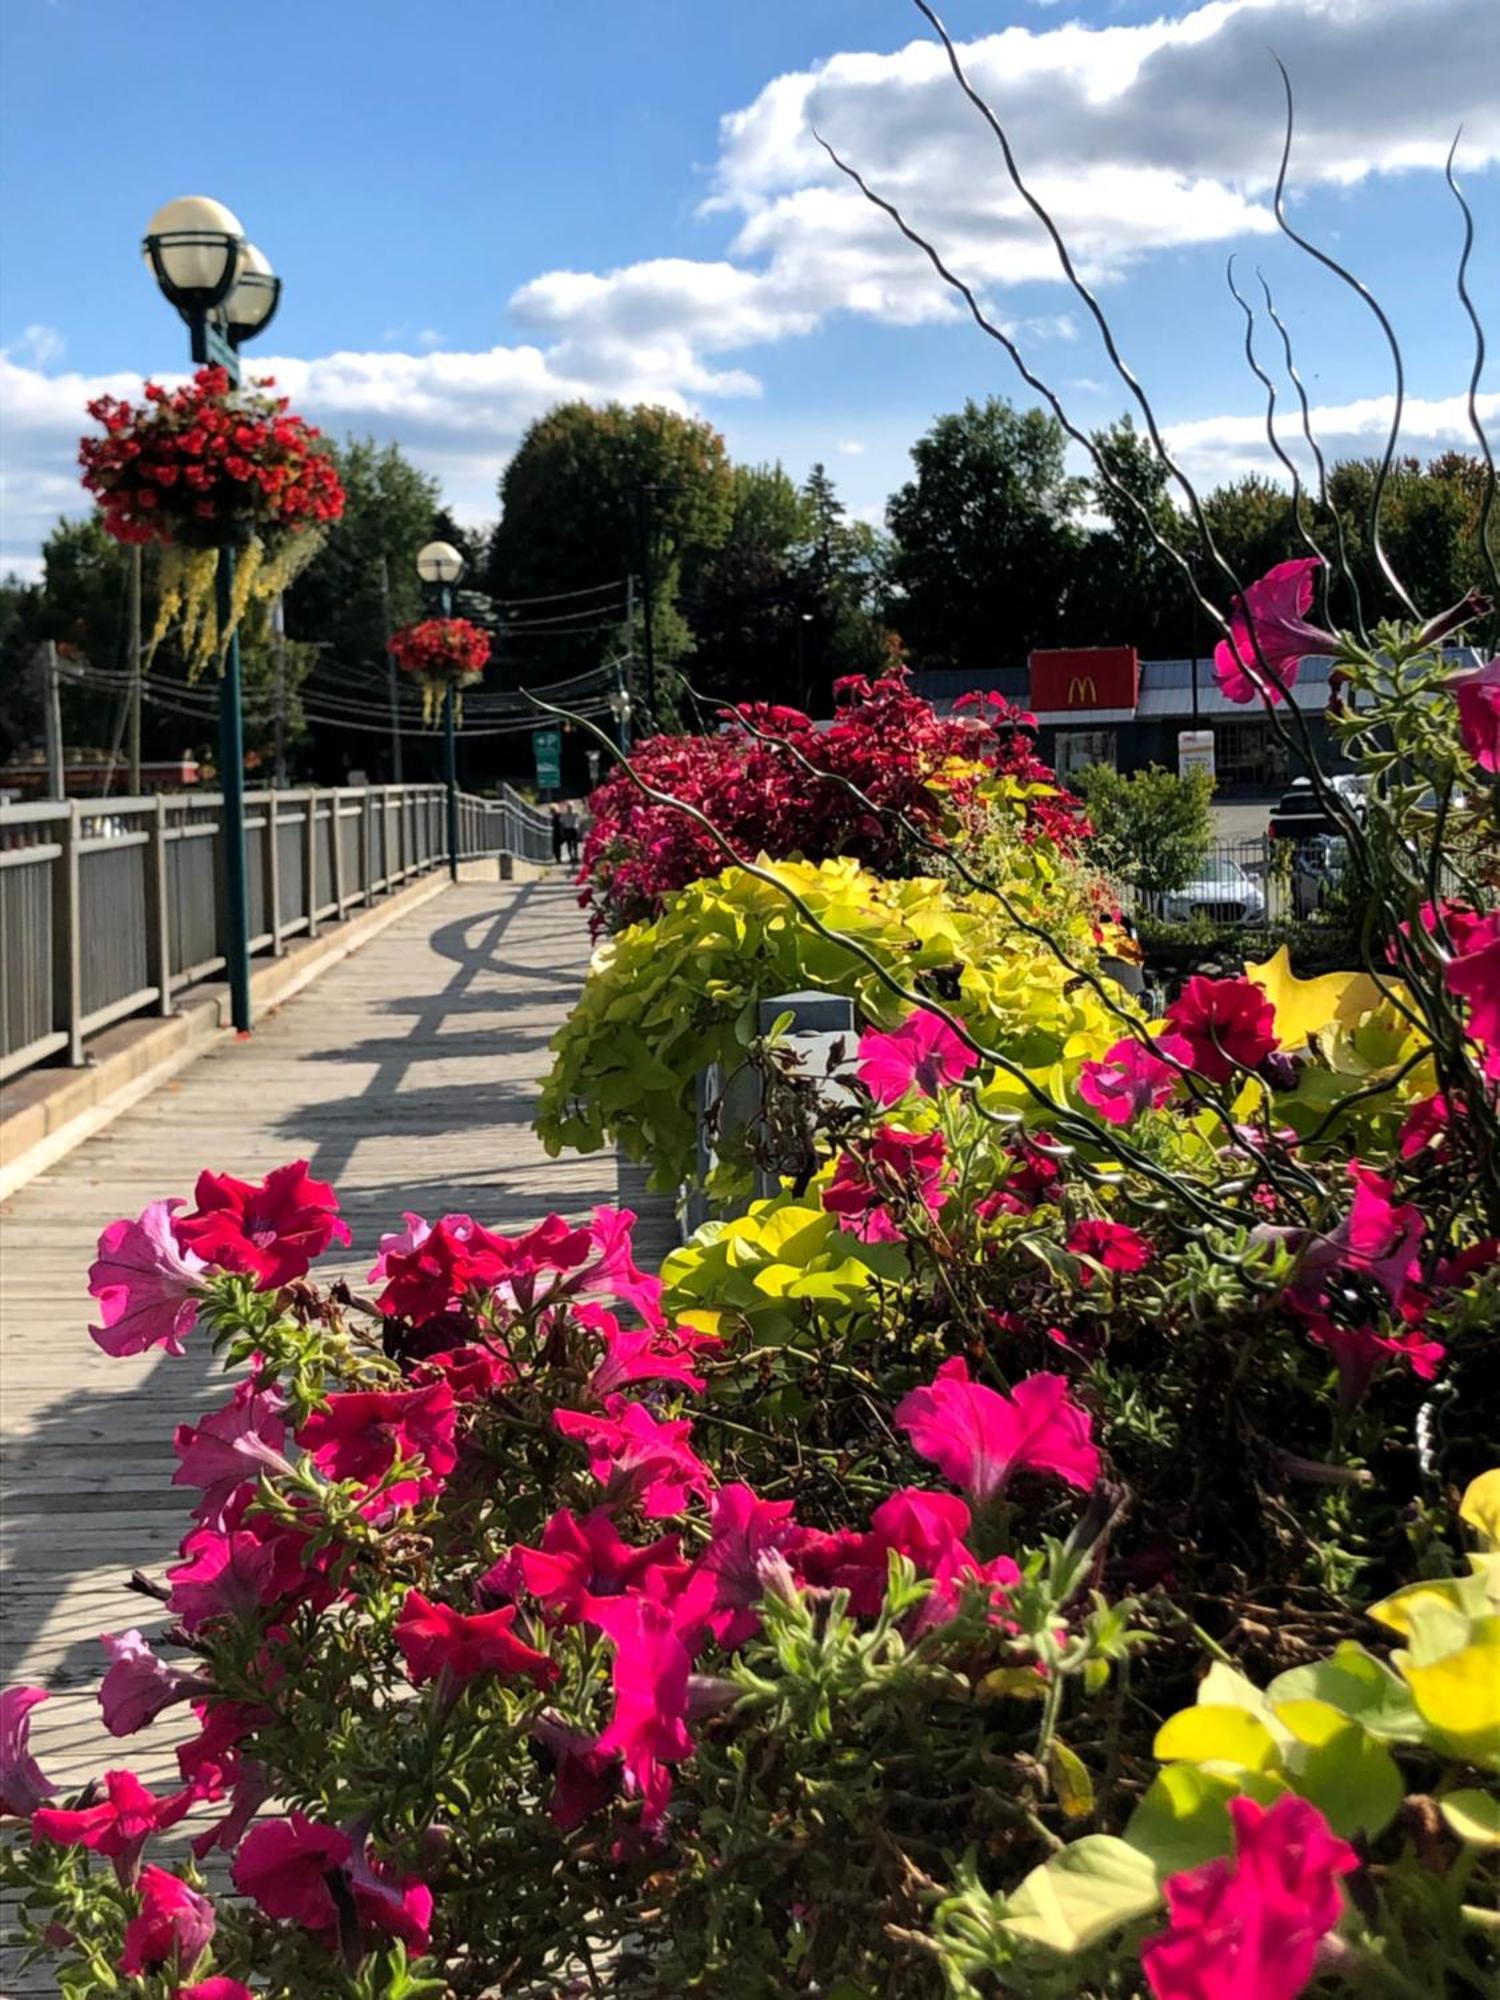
(110, 907)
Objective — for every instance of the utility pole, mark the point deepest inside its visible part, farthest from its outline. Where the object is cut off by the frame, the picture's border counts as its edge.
(52, 721)
(646, 495)
(135, 671)
(390, 670)
(278, 644)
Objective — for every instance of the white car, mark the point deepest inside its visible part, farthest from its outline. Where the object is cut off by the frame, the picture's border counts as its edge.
(1223, 891)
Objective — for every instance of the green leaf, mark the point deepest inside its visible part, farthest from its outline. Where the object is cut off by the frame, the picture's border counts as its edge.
(1183, 1818)
(1082, 1893)
(1359, 1686)
(1216, 1734)
(1474, 1816)
(1071, 1783)
(1352, 1780)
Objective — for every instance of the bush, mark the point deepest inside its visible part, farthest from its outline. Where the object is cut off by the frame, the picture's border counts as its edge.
(1151, 828)
(948, 777)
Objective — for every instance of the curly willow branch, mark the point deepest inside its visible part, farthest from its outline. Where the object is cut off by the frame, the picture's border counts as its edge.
(1361, 290)
(1070, 1123)
(1346, 568)
(1486, 547)
(1267, 382)
(893, 816)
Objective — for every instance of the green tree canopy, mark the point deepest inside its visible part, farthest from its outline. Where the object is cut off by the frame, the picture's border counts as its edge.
(986, 539)
(1151, 828)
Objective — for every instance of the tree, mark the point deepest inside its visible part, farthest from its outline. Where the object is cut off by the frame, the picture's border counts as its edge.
(1152, 828)
(986, 542)
(749, 592)
(1129, 591)
(593, 496)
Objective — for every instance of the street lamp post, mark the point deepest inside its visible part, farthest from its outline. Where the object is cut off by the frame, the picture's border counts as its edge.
(440, 566)
(619, 708)
(227, 293)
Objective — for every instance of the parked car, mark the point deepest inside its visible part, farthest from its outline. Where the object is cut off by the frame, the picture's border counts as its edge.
(1300, 814)
(1223, 891)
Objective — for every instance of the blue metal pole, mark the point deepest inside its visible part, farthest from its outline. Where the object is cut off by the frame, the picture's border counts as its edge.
(232, 784)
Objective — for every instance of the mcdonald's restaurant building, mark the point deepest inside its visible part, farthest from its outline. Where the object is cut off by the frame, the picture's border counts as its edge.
(1105, 705)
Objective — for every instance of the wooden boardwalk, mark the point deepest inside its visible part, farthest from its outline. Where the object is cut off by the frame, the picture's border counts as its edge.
(407, 1076)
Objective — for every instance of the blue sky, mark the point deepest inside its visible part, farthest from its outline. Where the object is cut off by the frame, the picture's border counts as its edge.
(479, 209)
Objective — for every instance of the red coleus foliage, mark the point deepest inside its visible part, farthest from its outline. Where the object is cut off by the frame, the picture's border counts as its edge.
(442, 649)
(196, 463)
(885, 740)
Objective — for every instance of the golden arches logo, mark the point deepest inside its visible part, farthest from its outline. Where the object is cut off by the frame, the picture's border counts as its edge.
(1081, 691)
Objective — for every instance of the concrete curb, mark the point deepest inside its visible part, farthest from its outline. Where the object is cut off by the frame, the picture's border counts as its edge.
(47, 1112)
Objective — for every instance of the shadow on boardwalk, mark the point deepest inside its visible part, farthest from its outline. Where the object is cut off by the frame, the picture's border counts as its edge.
(408, 1077)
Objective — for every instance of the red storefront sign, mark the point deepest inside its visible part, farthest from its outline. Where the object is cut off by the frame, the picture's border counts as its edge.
(1085, 677)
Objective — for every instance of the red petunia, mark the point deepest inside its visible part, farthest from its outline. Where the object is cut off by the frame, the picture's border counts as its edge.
(1228, 1024)
(435, 1640)
(271, 1230)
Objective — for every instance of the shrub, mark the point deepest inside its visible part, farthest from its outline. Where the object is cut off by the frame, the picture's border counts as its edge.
(946, 776)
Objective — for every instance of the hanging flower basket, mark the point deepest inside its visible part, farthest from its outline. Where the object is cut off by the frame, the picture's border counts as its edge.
(205, 468)
(441, 653)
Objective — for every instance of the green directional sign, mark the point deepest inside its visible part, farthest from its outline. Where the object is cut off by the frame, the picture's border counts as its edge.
(547, 746)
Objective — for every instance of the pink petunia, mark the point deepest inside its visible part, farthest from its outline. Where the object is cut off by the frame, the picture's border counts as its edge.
(230, 1446)
(745, 1529)
(283, 1866)
(1131, 1078)
(1359, 1352)
(148, 1286)
(1425, 1127)
(437, 1641)
(1473, 973)
(269, 1230)
(360, 1435)
(1248, 1928)
(1115, 1246)
(636, 1458)
(387, 1902)
(137, 1686)
(116, 1826)
(171, 1930)
(1227, 1024)
(923, 1053)
(650, 1675)
(219, 1987)
(23, 1784)
(1275, 609)
(977, 1437)
(582, 1561)
(654, 1353)
(1478, 695)
(905, 1168)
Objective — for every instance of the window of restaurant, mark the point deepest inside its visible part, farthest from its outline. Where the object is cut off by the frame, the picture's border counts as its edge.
(1078, 749)
(1246, 753)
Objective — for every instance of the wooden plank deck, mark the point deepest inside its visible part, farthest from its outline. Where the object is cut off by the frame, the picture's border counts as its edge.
(407, 1076)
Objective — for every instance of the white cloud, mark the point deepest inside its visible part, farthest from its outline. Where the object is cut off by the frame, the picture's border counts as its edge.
(851, 447)
(429, 337)
(1212, 449)
(40, 346)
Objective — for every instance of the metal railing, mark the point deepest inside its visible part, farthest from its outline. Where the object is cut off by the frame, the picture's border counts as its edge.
(111, 907)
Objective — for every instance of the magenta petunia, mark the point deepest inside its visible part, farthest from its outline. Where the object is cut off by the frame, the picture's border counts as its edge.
(657, 1352)
(1248, 1928)
(650, 1675)
(636, 1457)
(170, 1931)
(1275, 609)
(745, 1529)
(386, 1901)
(978, 1437)
(1114, 1246)
(360, 1435)
(284, 1866)
(269, 1230)
(147, 1284)
(118, 1825)
(1478, 695)
(895, 1167)
(923, 1054)
(585, 1778)
(1473, 973)
(1131, 1077)
(581, 1561)
(23, 1784)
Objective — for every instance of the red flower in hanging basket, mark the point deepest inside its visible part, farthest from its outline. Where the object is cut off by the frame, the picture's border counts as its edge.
(207, 465)
(442, 650)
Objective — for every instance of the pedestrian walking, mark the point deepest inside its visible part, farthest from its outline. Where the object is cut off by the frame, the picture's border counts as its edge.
(558, 836)
(570, 833)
